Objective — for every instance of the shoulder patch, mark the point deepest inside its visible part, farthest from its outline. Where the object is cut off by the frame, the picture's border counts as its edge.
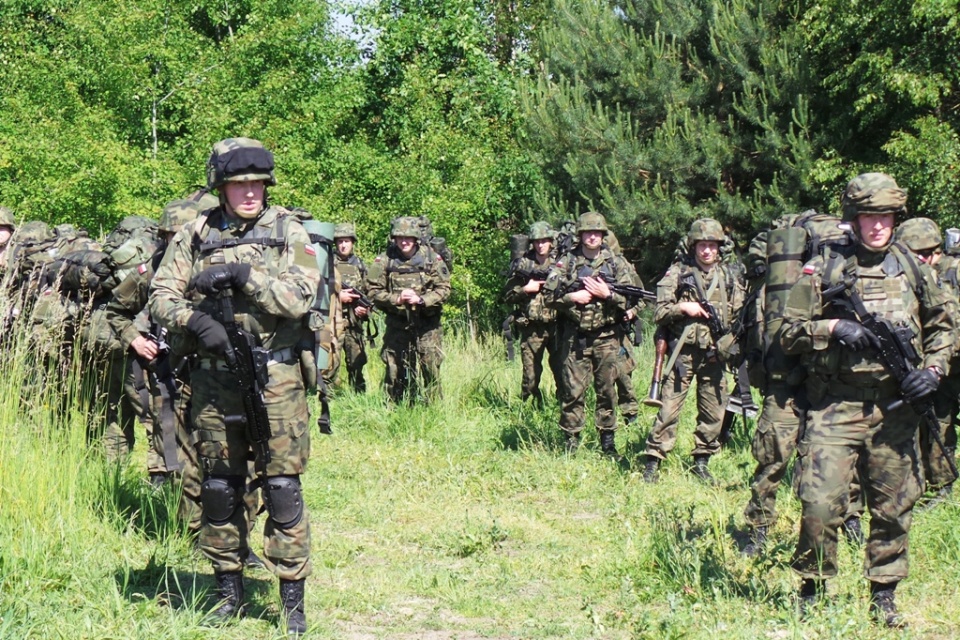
(309, 250)
(377, 259)
(809, 269)
(142, 268)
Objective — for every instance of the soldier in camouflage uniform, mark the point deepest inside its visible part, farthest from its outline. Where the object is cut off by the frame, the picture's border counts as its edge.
(922, 237)
(679, 309)
(353, 275)
(535, 319)
(850, 421)
(264, 255)
(591, 330)
(8, 225)
(410, 283)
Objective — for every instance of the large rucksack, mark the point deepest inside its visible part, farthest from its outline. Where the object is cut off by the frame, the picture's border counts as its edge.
(131, 243)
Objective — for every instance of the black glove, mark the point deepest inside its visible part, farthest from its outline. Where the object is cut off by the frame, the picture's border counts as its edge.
(210, 333)
(855, 335)
(215, 279)
(918, 384)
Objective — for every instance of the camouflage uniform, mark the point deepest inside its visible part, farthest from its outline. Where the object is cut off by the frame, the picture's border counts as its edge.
(353, 275)
(591, 335)
(412, 339)
(536, 320)
(697, 357)
(922, 236)
(848, 423)
(268, 261)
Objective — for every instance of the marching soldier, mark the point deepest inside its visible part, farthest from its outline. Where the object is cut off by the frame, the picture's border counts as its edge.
(353, 275)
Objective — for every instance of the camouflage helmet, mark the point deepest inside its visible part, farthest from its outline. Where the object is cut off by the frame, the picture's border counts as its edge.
(919, 235)
(705, 229)
(591, 221)
(177, 213)
(872, 193)
(345, 230)
(7, 219)
(540, 231)
(406, 227)
(239, 160)
(204, 198)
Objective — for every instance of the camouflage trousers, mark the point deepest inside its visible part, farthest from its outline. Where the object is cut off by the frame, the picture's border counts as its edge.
(595, 362)
(626, 393)
(691, 364)
(355, 356)
(412, 358)
(774, 443)
(224, 446)
(118, 432)
(136, 388)
(842, 437)
(946, 403)
(537, 338)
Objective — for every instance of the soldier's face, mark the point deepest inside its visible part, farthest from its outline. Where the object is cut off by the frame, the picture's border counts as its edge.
(345, 246)
(407, 245)
(245, 199)
(5, 233)
(542, 246)
(707, 252)
(876, 229)
(591, 239)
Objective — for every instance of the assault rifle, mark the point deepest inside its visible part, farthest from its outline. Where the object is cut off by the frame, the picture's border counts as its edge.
(896, 353)
(506, 329)
(249, 364)
(165, 372)
(366, 303)
(630, 292)
(717, 330)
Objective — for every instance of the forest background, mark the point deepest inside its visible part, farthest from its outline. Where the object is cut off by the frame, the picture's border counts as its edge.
(483, 114)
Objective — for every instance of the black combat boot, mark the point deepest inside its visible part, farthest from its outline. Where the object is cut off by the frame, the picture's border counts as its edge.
(230, 591)
(651, 470)
(758, 540)
(700, 468)
(157, 479)
(291, 596)
(811, 592)
(572, 443)
(852, 530)
(883, 607)
(607, 442)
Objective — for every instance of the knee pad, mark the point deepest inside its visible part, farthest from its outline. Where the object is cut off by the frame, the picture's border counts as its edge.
(284, 500)
(220, 497)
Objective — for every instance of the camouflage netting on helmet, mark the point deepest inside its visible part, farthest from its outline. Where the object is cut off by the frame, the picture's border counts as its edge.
(919, 234)
(592, 221)
(540, 231)
(7, 219)
(239, 160)
(705, 229)
(875, 193)
(344, 230)
(406, 227)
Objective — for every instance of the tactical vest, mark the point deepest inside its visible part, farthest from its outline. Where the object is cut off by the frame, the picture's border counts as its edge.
(596, 316)
(718, 286)
(414, 273)
(534, 308)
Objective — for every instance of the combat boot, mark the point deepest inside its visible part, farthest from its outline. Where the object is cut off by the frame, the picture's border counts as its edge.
(291, 597)
(157, 479)
(758, 540)
(230, 591)
(651, 470)
(700, 469)
(811, 592)
(883, 606)
(852, 530)
(252, 561)
(608, 443)
(572, 443)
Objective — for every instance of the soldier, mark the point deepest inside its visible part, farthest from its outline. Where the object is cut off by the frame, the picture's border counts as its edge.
(922, 237)
(8, 225)
(410, 283)
(591, 330)
(353, 275)
(700, 275)
(535, 319)
(253, 260)
(854, 418)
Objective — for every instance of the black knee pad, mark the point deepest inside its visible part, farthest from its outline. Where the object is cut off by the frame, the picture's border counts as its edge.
(284, 500)
(220, 497)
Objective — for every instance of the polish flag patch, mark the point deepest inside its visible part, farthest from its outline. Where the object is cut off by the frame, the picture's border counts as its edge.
(142, 269)
(809, 269)
(309, 250)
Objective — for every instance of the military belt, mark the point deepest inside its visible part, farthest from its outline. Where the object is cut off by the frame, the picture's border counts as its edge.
(276, 357)
(837, 389)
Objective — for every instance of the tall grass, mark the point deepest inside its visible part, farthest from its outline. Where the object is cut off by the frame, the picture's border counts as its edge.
(462, 519)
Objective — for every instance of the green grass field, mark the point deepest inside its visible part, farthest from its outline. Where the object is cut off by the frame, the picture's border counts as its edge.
(460, 520)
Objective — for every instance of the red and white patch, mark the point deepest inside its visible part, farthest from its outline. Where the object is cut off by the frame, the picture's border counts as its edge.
(142, 268)
(309, 250)
(809, 269)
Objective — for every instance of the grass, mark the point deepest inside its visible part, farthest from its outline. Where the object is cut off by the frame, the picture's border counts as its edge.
(464, 519)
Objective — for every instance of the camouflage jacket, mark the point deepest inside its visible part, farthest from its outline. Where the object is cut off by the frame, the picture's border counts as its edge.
(533, 306)
(597, 316)
(886, 282)
(425, 272)
(720, 285)
(281, 289)
(353, 275)
(127, 310)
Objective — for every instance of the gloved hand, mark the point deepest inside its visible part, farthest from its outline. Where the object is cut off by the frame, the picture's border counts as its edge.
(215, 279)
(211, 334)
(855, 335)
(918, 384)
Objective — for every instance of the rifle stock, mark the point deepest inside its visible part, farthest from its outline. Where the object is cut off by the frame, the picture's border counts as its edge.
(661, 343)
